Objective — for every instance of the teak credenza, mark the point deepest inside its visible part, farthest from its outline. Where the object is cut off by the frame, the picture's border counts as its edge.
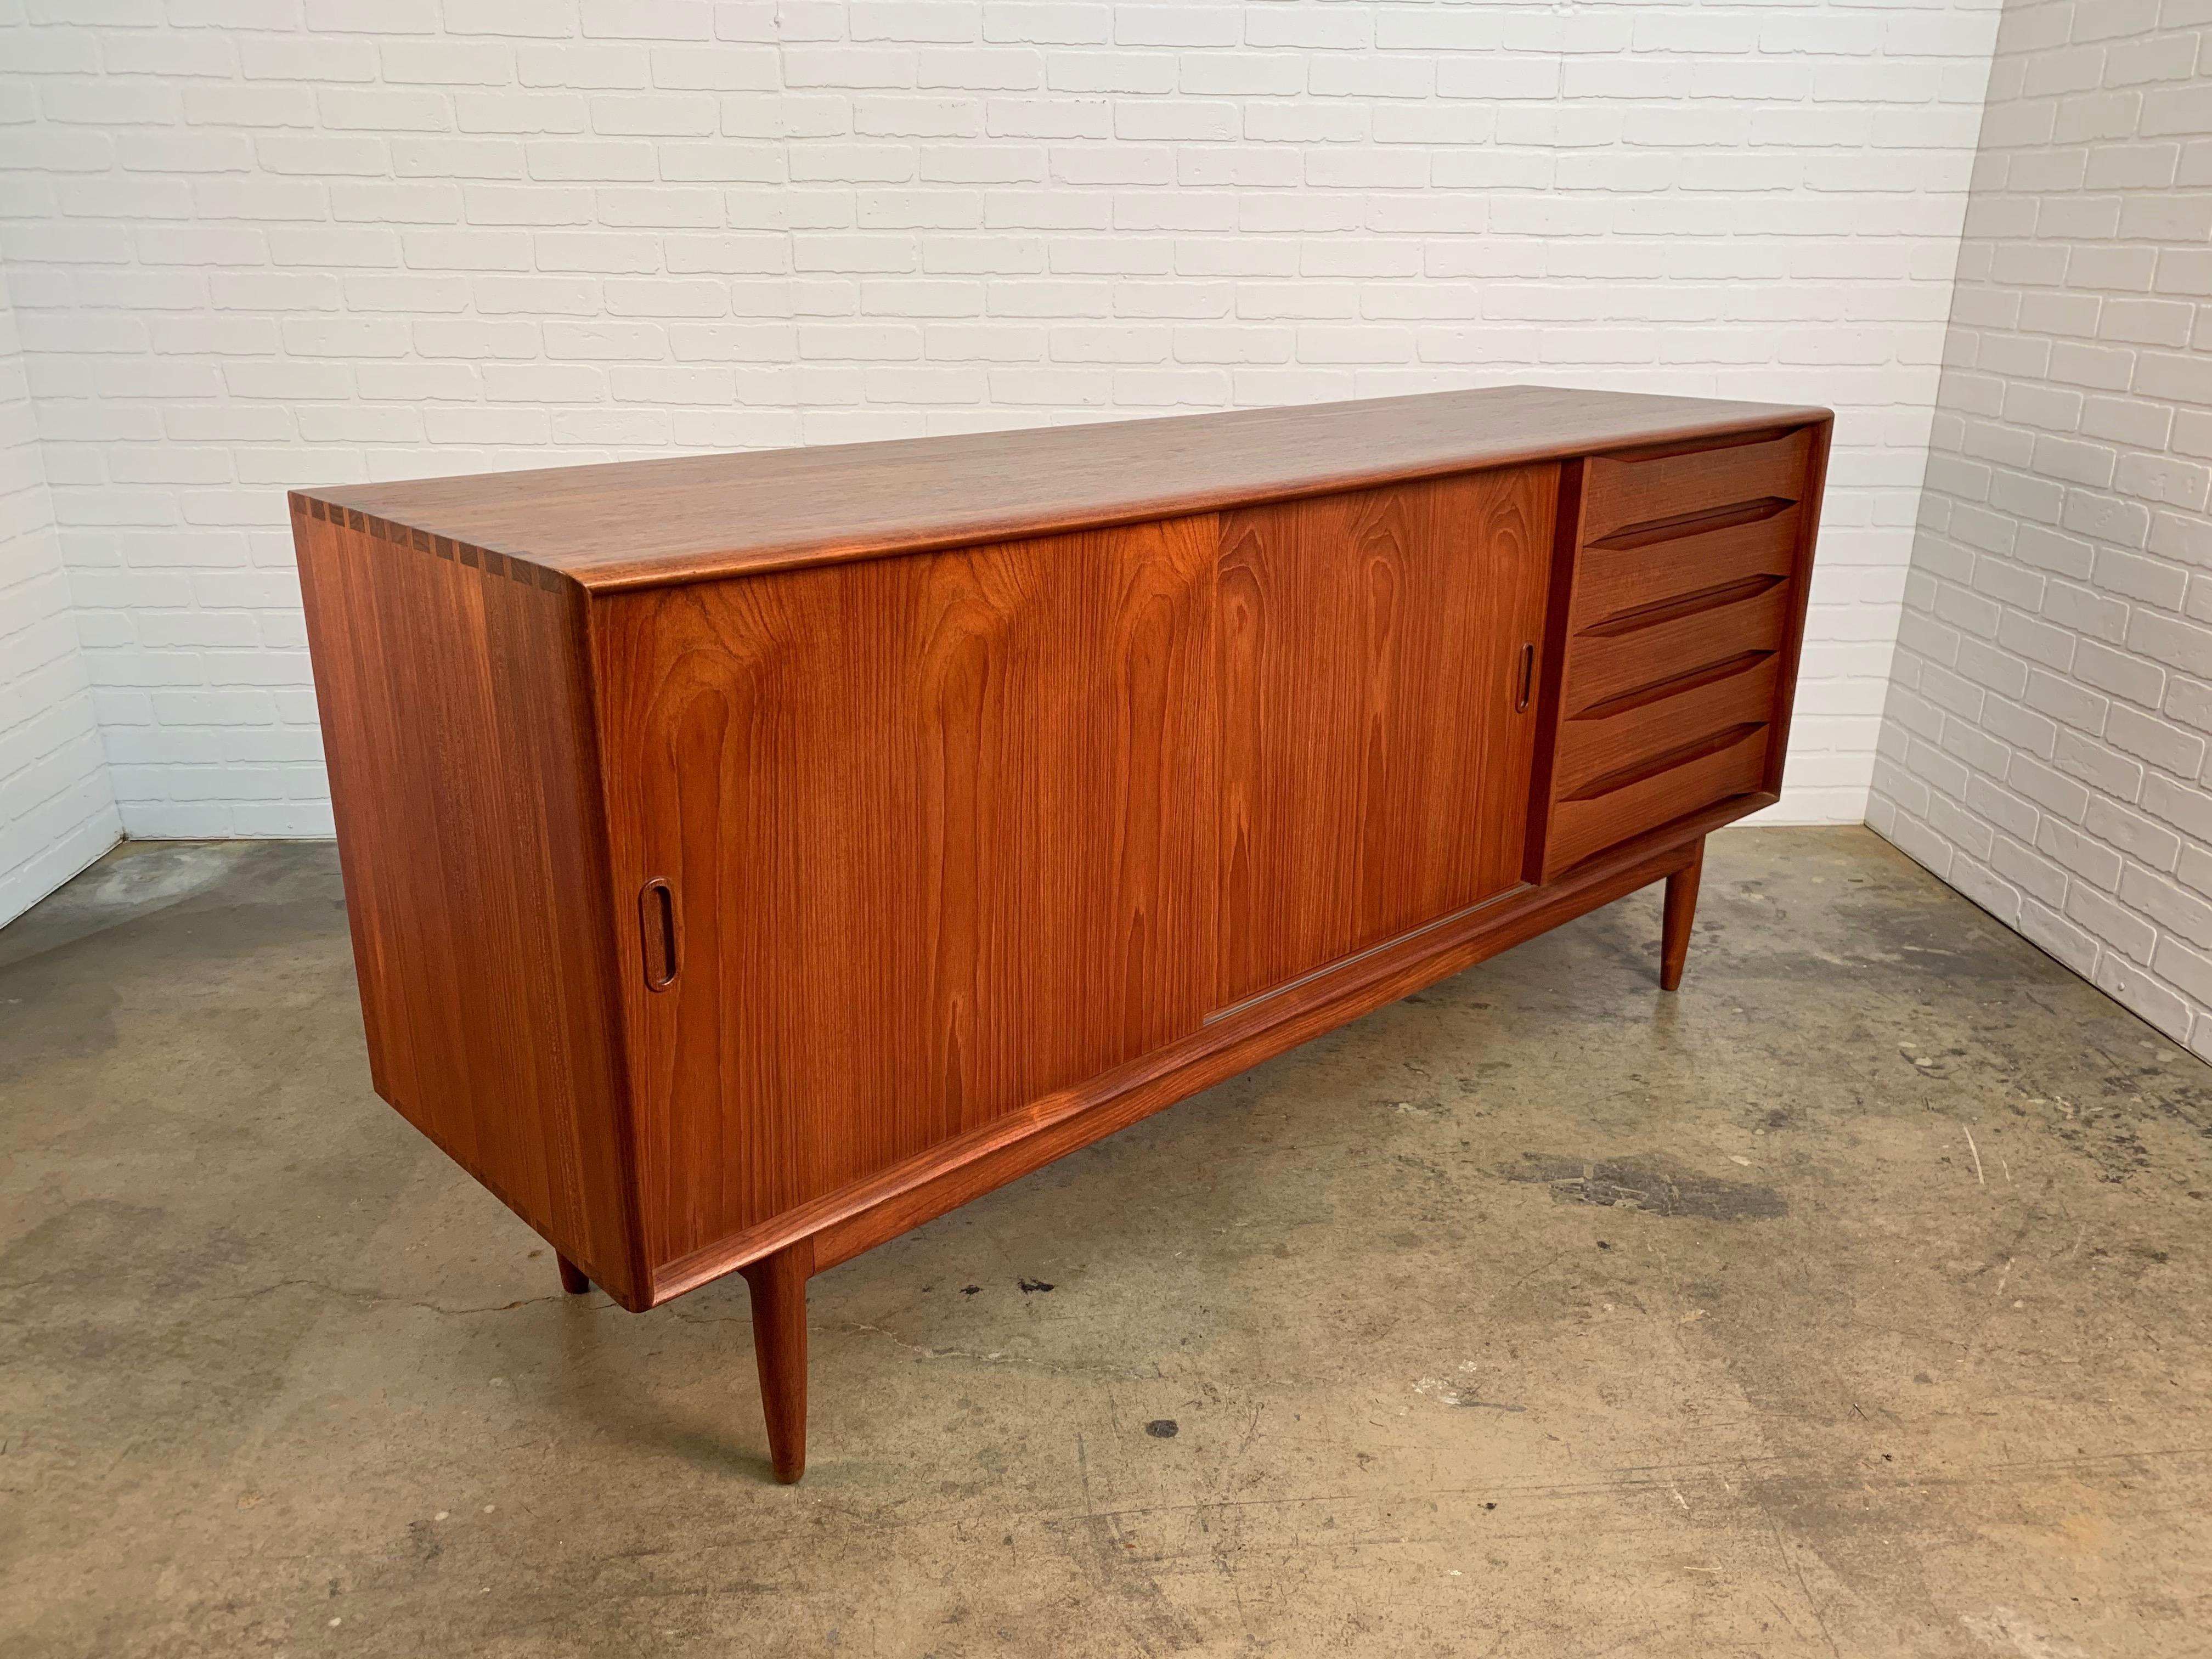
(751, 857)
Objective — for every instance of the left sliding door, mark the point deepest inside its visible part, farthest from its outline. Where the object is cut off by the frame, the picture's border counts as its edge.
(937, 839)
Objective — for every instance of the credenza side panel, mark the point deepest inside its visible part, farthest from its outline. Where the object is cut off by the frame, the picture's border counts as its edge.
(1376, 748)
(938, 833)
(457, 729)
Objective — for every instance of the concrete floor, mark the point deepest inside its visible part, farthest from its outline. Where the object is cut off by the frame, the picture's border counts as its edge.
(1853, 1303)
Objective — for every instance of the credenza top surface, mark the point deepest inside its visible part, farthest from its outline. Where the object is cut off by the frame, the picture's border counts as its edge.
(646, 524)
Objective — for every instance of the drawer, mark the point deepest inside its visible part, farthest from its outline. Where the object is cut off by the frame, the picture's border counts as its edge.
(1599, 755)
(1641, 495)
(1679, 782)
(1603, 669)
(1617, 581)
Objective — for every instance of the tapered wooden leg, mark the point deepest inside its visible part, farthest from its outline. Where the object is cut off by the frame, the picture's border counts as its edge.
(1681, 911)
(779, 1297)
(573, 1280)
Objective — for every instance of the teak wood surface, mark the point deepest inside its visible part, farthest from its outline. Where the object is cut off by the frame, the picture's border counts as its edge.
(645, 524)
(972, 792)
(751, 857)
(458, 730)
(1374, 764)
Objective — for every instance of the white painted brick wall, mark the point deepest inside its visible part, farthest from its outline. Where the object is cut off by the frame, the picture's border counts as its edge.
(56, 812)
(258, 243)
(2045, 747)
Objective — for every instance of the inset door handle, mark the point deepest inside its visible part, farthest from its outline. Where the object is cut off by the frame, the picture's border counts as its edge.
(661, 932)
(1527, 678)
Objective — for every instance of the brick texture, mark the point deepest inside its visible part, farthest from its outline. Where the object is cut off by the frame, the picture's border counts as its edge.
(56, 812)
(258, 243)
(2044, 746)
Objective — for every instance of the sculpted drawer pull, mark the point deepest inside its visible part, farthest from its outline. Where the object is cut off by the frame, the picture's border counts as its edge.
(657, 929)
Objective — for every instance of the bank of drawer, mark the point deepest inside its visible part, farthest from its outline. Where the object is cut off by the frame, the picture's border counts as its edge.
(1615, 583)
(1597, 756)
(1733, 762)
(1624, 494)
(1601, 668)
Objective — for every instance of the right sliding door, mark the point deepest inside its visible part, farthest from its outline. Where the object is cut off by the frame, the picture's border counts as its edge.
(1377, 654)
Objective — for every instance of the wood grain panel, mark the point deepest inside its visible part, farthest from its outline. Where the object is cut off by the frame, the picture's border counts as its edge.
(1374, 767)
(1612, 580)
(639, 524)
(1619, 493)
(1589, 749)
(1600, 668)
(1702, 780)
(464, 774)
(940, 832)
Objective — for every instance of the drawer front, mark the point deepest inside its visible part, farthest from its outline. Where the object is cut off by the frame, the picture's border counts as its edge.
(1603, 668)
(1605, 751)
(1732, 763)
(1685, 604)
(1630, 495)
(1618, 581)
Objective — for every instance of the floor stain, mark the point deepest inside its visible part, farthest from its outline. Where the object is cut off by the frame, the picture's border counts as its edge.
(1651, 1183)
